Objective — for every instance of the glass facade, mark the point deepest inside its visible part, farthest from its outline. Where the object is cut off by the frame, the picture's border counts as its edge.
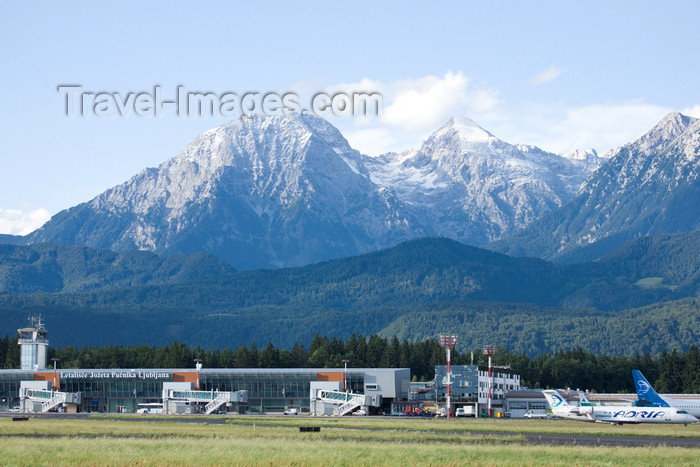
(269, 390)
(114, 395)
(9, 387)
(29, 356)
(273, 390)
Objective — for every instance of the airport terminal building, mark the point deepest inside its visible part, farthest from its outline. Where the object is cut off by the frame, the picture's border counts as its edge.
(318, 391)
(35, 388)
(266, 390)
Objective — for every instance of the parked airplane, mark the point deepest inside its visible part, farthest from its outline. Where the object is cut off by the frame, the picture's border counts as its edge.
(616, 414)
(649, 398)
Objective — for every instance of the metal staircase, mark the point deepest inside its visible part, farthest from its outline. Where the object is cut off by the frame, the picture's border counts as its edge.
(344, 402)
(220, 400)
(57, 399)
(349, 406)
(48, 399)
(209, 400)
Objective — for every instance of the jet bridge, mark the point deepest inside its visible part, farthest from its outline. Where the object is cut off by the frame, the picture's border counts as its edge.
(339, 403)
(38, 396)
(181, 398)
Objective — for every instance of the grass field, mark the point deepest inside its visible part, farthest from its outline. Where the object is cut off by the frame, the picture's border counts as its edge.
(341, 441)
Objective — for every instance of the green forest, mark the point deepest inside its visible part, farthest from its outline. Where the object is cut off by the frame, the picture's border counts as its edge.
(642, 298)
(669, 372)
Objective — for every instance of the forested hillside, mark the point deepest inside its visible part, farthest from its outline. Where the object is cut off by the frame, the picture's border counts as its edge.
(532, 329)
(670, 372)
(49, 267)
(416, 290)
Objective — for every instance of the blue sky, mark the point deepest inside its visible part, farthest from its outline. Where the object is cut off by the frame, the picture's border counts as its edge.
(560, 75)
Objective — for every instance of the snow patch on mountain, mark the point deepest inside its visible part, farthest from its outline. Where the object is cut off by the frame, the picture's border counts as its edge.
(648, 187)
(289, 190)
(487, 186)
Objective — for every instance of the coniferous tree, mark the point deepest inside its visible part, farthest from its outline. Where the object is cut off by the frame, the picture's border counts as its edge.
(4, 344)
(12, 355)
(298, 356)
(269, 357)
(574, 368)
(671, 372)
(691, 371)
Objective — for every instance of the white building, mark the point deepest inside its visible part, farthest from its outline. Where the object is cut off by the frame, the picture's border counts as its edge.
(33, 344)
(502, 382)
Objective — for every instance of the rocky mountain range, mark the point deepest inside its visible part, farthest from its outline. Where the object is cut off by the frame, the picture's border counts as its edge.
(470, 186)
(269, 192)
(648, 187)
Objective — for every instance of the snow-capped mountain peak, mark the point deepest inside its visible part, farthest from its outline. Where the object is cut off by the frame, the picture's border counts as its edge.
(289, 190)
(487, 185)
(465, 130)
(581, 154)
(664, 133)
(650, 186)
(259, 192)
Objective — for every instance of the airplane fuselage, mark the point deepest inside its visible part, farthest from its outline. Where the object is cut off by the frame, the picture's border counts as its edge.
(692, 406)
(615, 414)
(623, 414)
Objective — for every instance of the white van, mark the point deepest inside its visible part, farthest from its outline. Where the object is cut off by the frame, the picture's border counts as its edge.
(466, 411)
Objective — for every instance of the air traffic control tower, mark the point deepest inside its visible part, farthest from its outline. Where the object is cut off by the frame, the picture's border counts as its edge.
(33, 344)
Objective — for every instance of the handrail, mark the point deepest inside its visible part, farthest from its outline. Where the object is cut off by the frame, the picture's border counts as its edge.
(218, 402)
(58, 398)
(356, 401)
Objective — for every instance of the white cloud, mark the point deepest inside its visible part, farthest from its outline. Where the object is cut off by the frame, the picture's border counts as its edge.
(551, 73)
(426, 103)
(374, 141)
(16, 222)
(412, 110)
(415, 108)
(560, 129)
(693, 111)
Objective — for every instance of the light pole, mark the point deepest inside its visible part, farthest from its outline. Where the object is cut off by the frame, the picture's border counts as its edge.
(489, 350)
(448, 341)
(55, 374)
(345, 375)
(198, 366)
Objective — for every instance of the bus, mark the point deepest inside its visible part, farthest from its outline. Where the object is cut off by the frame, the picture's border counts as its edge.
(150, 407)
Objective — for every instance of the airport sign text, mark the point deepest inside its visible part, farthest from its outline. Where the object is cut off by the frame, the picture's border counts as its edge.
(117, 374)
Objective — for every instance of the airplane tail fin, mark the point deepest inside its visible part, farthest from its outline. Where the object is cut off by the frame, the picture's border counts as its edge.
(583, 400)
(584, 407)
(645, 392)
(556, 402)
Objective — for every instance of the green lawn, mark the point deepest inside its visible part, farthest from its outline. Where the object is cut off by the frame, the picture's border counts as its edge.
(343, 441)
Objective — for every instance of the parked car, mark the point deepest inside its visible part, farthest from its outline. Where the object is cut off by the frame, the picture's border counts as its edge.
(291, 412)
(532, 414)
(360, 412)
(14, 409)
